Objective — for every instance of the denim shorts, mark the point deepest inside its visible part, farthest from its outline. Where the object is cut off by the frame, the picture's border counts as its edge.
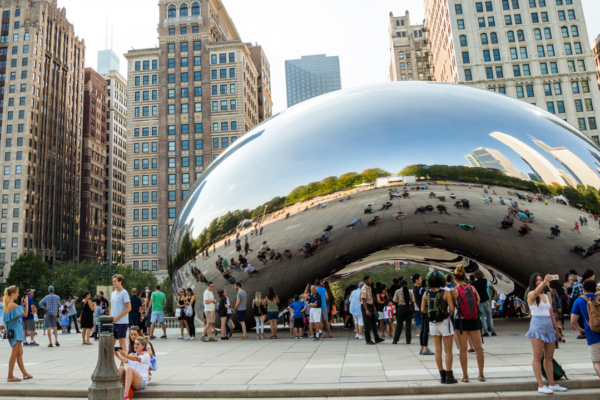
(418, 322)
(143, 385)
(272, 315)
(157, 316)
(120, 331)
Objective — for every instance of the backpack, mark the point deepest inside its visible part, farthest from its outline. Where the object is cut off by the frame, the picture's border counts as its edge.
(557, 370)
(593, 309)
(437, 307)
(467, 302)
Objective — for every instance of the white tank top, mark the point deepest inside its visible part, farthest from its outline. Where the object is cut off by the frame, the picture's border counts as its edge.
(543, 310)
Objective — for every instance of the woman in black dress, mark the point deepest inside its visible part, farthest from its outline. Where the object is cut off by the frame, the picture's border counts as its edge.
(191, 301)
(181, 306)
(86, 319)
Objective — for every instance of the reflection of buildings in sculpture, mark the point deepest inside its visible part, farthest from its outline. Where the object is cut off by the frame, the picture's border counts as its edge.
(534, 177)
(542, 167)
(491, 158)
(570, 181)
(473, 161)
(582, 173)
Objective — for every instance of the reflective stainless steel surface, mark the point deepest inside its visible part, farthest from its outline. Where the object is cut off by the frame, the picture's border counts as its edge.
(434, 133)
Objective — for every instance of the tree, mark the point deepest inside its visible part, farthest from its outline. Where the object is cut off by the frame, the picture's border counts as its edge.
(29, 271)
(167, 288)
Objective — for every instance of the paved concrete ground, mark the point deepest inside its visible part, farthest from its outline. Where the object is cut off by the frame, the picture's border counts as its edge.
(269, 363)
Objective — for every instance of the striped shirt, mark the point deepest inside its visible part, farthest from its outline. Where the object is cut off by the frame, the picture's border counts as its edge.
(51, 303)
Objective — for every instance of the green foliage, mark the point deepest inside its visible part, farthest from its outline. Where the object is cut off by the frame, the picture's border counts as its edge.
(167, 288)
(384, 274)
(29, 271)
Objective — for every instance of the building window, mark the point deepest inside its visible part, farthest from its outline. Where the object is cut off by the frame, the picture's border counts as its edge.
(465, 57)
(461, 24)
(582, 126)
(550, 106)
(468, 76)
(484, 38)
(463, 40)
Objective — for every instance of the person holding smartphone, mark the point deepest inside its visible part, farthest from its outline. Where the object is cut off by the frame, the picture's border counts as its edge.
(543, 332)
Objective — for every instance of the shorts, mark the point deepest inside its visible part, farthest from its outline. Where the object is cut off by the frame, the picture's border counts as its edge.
(272, 315)
(444, 328)
(210, 317)
(358, 320)
(299, 323)
(50, 320)
(120, 331)
(241, 315)
(467, 325)
(388, 321)
(157, 316)
(143, 385)
(28, 325)
(595, 352)
(324, 316)
(315, 315)
(418, 321)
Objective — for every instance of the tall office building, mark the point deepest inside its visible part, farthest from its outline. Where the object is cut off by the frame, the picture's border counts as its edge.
(311, 76)
(596, 52)
(533, 50)
(263, 86)
(188, 100)
(41, 102)
(408, 47)
(492, 158)
(108, 61)
(93, 170)
(116, 167)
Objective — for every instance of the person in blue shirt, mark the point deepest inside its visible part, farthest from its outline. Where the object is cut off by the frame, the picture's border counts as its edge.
(297, 309)
(12, 319)
(324, 301)
(315, 302)
(580, 309)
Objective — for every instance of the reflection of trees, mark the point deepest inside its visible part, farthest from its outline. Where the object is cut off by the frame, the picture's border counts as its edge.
(220, 227)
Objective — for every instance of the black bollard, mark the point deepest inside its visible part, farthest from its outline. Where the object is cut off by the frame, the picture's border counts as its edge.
(106, 380)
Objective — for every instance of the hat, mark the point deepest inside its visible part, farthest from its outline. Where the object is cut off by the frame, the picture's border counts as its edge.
(51, 288)
(29, 291)
(415, 277)
(361, 284)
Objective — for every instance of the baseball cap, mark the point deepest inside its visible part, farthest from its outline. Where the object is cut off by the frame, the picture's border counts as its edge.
(415, 277)
(51, 288)
(29, 291)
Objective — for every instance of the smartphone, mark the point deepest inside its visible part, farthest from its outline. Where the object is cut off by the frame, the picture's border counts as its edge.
(118, 348)
(554, 277)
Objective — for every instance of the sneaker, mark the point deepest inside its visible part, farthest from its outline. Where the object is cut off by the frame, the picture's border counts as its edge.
(421, 351)
(356, 336)
(428, 352)
(25, 344)
(545, 390)
(213, 339)
(580, 337)
(373, 343)
(418, 335)
(163, 337)
(204, 338)
(181, 337)
(471, 351)
(188, 338)
(494, 334)
(192, 338)
(486, 334)
(225, 338)
(361, 337)
(557, 388)
(33, 344)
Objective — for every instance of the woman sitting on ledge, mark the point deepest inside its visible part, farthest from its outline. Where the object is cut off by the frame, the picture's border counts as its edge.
(136, 376)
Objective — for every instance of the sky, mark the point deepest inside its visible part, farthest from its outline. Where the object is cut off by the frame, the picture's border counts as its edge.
(287, 29)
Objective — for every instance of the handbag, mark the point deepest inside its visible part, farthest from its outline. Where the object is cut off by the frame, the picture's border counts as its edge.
(230, 324)
(189, 311)
(178, 313)
(8, 334)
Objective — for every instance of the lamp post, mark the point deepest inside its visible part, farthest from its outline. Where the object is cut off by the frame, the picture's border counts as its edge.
(106, 380)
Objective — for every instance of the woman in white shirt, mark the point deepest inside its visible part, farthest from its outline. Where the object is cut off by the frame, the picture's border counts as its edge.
(136, 376)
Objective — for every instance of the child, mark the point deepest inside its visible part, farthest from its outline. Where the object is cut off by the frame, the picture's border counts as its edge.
(296, 309)
(388, 314)
(64, 321)
(97, 314)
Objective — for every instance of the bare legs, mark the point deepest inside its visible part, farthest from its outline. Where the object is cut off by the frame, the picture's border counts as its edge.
(545, 350)
(16, 355)
(129, 379)
(437, 341)
(476, 342)
(85, 335)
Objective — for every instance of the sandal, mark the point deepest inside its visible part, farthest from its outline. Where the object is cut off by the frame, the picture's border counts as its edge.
(465, 380)
(13, 380)
(50, 345)
(481, 379)
(25, 377)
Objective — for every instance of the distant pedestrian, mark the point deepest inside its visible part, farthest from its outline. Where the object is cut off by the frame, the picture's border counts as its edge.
(369, 312)
(483, 286)
(223, 309)
(209, 310)
(29, 320)
(355, 311)
(240, 308)
(119, 310)
(260, 313)
(86, 320)
(135, 314)
(271, 302)
(72, 313)
(191, 302)
(52, 305)
(297, 313)
(576, 228)
(247, 248)
(158, 302)
(405, 299)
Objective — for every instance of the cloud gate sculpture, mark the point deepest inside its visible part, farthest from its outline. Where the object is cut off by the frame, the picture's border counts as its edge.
(383, 166)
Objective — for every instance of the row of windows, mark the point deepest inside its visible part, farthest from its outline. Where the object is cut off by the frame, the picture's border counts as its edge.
(146, 179)
(185, 179)
(17, 184)
(145, 80)
(19, 156)
(184, 62)
(183, 10)
(222, 89)
(222, 73)
(145, 131)
(145, 196)
(185, 130)
(185, 77)
(145, 265)
(185, 161)
(508, 19)
(146, 163)
(146, 111)
(173, 193)
(185, 92)
(6, 14)
(145, 248)
(184, 47)
(183, 30)
(15, 243)
(145, 95)
(145, 230)
(146, 213)
(9, 128)
(16, 199)
(146, 65)
(145, 147)
(527, 71)
(222, 58)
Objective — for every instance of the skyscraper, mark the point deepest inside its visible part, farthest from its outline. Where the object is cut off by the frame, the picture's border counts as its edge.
(311, 76)
(263, 86)
(408, 48)
(491, 158)
(93, 223)
(188, 100)
(41, 127)
(108, 61)
(533, 50)
(542, 167)
(116, 167)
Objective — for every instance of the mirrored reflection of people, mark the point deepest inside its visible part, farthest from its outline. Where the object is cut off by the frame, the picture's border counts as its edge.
(576, 228)
(524, 230)
(554, 232)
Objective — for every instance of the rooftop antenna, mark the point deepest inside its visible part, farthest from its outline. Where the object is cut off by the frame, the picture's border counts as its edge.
(106, 40)
(112, 34)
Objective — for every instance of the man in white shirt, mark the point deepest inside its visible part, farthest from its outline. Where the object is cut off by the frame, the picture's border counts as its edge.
(250, 270)
(120, 305)
(209, 311)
